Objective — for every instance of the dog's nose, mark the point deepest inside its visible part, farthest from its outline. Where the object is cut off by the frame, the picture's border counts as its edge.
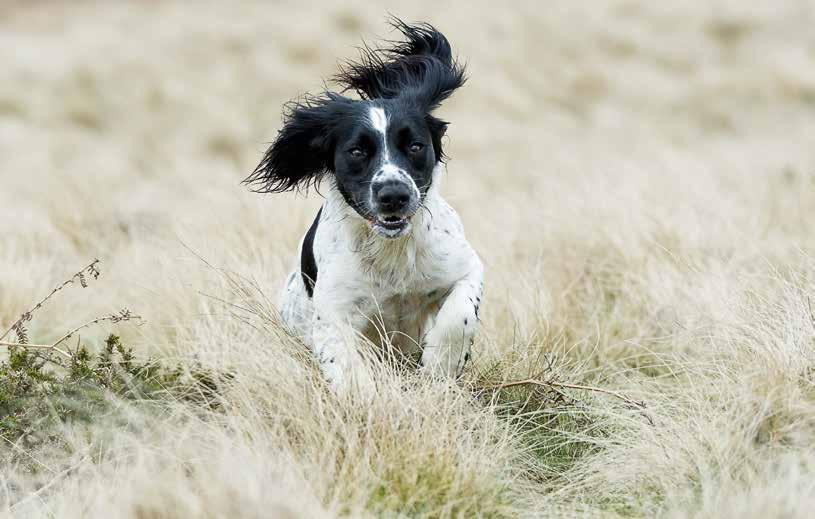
(392, 197)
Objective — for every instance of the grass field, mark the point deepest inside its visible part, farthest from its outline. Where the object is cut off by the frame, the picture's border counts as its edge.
(639, 179)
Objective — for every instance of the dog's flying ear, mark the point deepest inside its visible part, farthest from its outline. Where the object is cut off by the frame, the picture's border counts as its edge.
(422, 68)
(437, 128)
(302, 152)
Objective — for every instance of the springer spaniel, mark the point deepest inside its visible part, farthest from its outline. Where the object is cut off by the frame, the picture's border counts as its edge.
(386, 256)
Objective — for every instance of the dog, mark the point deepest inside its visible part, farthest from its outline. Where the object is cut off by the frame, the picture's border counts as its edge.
(385, 256)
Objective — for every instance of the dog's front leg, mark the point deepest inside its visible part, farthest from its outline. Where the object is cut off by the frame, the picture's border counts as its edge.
(446, 344)
(336, 325)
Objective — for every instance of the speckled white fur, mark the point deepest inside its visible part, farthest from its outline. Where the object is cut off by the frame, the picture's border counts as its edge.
(425, 287)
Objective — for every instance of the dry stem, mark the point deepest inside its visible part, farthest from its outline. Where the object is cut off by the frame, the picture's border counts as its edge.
(91, 269)
(22, 340)
(123, 315)
(50, 347)
(553, 384)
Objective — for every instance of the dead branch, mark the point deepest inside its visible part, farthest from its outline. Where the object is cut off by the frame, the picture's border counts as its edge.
(551, 384)
(123, 315)
(48, 347)
(18, 326)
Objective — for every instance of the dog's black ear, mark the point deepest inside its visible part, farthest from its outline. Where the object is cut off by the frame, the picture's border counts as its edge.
(437, 128)
(302, 152)
(422, 68)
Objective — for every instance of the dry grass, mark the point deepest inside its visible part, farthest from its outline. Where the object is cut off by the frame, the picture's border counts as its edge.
(639, 179)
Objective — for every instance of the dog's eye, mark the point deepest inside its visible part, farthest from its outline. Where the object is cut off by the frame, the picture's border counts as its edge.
(416, 147)
(356, 152)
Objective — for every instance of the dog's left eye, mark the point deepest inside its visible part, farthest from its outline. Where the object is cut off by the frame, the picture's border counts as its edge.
(416, 147)
(357, 153)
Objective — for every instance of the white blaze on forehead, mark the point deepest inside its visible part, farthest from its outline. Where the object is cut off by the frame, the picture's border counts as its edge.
(379, 121)
(388, 171)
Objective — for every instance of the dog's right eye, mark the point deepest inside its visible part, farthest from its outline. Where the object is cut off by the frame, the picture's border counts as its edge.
(356, 152)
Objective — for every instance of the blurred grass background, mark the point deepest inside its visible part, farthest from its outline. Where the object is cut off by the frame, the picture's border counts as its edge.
(639, 178)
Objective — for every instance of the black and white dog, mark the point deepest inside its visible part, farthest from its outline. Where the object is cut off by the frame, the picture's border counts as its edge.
(385, 254)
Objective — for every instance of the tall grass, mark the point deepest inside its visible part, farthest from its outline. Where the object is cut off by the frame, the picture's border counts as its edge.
(639, 179)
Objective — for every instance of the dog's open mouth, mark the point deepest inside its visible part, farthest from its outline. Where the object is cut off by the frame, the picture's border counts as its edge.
(392, 222)
(390, 226)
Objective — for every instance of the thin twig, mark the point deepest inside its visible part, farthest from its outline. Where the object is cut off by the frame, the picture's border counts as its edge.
(546, 383)
(123, 315)
(552, 384)
(91, 269)
(35, 347)
(51, 483)
(27, 454)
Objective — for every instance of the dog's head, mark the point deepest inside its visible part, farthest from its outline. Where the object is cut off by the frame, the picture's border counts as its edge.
(380, 149)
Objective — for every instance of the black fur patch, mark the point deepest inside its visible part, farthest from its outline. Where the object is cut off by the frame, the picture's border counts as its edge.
(308, 265)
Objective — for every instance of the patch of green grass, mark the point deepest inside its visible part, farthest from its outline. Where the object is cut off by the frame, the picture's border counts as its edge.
(557, 427)
(39, 394)
(558, 430)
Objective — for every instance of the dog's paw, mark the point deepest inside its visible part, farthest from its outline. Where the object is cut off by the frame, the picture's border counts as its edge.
(356, 383)
(446, 361)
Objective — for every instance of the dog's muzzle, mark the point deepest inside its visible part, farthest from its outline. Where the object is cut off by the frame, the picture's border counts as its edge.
(394, 202)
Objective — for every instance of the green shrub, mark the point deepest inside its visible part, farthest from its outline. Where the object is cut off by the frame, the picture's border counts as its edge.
(39, 394)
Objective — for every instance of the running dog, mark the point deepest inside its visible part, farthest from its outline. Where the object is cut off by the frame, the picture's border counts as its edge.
(385, 249)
